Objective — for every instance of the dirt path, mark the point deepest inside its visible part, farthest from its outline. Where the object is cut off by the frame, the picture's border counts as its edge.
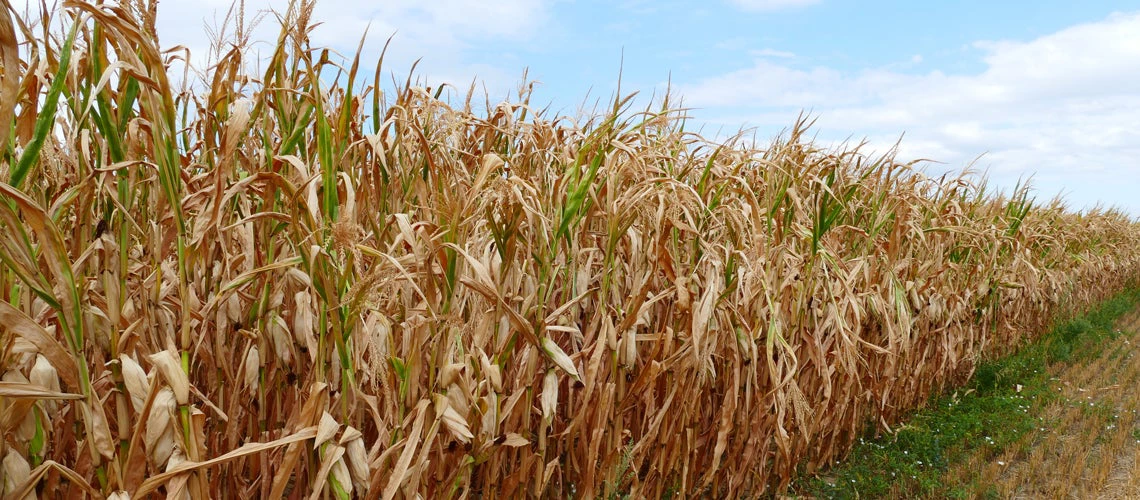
(1087, 442)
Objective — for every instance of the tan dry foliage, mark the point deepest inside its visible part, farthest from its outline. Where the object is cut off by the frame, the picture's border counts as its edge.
(492, 302)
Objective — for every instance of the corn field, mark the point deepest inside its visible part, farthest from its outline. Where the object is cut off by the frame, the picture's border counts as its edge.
(295, 283)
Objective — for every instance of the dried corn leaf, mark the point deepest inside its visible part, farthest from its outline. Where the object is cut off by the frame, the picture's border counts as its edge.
(559, 357)
(31, 391)
(454, 422)
(18, 322)
(245, 450)
(138, 386)
(171, 369)
(326, 429)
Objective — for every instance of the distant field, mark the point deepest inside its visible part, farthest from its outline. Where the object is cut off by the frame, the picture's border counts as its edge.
(294, 284)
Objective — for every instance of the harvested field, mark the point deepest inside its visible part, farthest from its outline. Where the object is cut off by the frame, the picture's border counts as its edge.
(1053, 420)
(295, 282)
(1087, 444)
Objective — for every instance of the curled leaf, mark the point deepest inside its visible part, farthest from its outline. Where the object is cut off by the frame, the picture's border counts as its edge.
(449, 373)
(357, 457)
(326, 429)
(135, 379)
(452, 419)
(549, 398)
(251, 368)
(168, 365)
(515, 440)
(16, 472)
(160, 437)
(559, 357)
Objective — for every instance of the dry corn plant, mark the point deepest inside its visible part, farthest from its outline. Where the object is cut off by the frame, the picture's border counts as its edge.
(293, 283)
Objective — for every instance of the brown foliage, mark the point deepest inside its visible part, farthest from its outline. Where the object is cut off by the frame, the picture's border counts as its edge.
(279, 285)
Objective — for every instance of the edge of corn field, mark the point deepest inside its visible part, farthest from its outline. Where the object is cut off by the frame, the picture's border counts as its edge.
(981, 421)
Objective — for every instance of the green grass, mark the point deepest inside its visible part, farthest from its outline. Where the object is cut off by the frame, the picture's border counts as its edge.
(986, 417)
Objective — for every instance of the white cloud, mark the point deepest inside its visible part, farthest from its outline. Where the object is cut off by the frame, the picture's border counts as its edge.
(438, 32)
(770, 5)
(1065, 106)
(782, 54)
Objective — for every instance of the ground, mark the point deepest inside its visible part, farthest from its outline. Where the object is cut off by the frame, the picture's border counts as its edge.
(1058, 419)
(1088, 442)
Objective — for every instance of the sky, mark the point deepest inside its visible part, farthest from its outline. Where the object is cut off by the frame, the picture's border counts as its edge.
(1045, 89)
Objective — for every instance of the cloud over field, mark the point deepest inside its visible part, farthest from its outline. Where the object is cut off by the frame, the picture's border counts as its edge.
(770, 5)
(441, 34)
(1065, 105)
(1051, 92)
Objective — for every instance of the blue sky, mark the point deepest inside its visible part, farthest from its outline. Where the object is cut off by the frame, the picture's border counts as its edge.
(1046, 88)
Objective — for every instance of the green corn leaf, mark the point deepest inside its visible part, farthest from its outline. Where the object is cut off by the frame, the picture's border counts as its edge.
(46, 118)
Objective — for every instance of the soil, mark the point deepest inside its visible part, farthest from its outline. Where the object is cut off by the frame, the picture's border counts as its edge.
(1088, 440)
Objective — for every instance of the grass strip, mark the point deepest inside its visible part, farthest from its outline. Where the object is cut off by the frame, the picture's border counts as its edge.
(991, 413)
